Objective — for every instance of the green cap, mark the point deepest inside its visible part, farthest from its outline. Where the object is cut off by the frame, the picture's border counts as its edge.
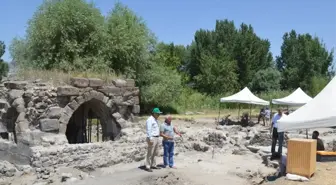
(156, 111)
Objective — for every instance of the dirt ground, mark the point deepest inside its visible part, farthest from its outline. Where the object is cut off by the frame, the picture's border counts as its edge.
(325, 175)
(192, 168)
(232, 162)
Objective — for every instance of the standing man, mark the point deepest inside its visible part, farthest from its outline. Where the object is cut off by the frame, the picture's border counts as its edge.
(153, 133)
(167, 132)
(277, 136)
(261, 115)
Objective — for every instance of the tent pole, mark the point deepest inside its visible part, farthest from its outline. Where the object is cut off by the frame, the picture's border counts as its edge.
(271, 114)
(219, 111)
(250, 112)
(238, 111)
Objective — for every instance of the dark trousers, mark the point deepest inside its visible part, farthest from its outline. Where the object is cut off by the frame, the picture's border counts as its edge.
(168, 153)
(262, 117)
(277, 136)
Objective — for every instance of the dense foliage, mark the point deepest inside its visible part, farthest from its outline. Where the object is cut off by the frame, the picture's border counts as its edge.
(3, 64)
(303, 58)
(71, 35)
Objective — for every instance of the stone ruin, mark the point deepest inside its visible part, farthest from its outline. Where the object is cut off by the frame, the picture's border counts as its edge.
(36, 114)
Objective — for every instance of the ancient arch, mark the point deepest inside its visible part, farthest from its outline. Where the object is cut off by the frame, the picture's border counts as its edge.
(45, 111)
(10, 119)
(78, 126)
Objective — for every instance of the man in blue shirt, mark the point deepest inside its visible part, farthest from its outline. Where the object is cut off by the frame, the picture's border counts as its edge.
(167, 131)
(277, 136)
(153, 133)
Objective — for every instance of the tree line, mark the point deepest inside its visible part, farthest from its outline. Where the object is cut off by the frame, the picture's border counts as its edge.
(71, 35)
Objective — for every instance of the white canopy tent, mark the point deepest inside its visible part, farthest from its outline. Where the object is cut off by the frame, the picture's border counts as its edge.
(318, 113)
(244, 96)
(297, 98)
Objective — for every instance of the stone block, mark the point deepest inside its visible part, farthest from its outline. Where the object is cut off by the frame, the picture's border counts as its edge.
(17, 102)
(123, 109)
(67, 91)
(20, 85)
(105, 99)
(64, 119)
(62, 128)
(136, 91)
(21, 117)
(122, 123)
(80, 100)
(95, 82)
(116, 115)
(87, 96)
(136, 109)
(109, 103)
(97, 95)
(79, 82)
(119, 83)
(136, 100)
(28, 94)
(20, 108)
(110, 90)
(54, 112)
(73, 105)
(49, 125)
(128, 94)
(22, 126)
(13, 94)
(118, 100)
(130, 83)
(4, 104)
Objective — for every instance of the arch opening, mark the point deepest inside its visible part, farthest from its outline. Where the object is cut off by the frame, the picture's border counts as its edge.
(7, 130)
(92, 121)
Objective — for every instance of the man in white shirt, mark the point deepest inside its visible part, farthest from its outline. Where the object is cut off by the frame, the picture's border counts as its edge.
(277, 136)
(153, 133)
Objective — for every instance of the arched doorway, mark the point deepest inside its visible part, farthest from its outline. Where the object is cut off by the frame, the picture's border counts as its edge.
(92, 121)
(8, 130)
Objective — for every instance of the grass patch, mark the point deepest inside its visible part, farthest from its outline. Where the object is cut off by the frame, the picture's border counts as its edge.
(56, 77)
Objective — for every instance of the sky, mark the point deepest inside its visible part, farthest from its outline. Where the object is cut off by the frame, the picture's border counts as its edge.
(177, 20)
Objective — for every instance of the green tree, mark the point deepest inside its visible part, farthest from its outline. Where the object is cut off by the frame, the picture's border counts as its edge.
(242, 45)
(160, 85)
(302, 59)
(66, 35)
(252, 54)
(217, 73)
(317, 84)
(172, 56)
(266, 80)
(129, 42)
(3, 65)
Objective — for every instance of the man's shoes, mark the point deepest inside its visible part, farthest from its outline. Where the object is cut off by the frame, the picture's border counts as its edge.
(155, 168)
(149, 170)
(173, 167)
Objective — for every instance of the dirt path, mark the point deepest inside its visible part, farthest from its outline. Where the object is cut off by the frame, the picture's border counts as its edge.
(193, 168)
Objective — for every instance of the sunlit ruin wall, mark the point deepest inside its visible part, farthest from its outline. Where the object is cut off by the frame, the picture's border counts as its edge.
(36, 114)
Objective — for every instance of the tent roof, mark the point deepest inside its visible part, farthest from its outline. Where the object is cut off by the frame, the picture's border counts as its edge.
(297, 98)
(318, 113)
(244, 96)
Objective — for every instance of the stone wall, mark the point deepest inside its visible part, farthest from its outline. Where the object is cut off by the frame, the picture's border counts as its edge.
(35, 113)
